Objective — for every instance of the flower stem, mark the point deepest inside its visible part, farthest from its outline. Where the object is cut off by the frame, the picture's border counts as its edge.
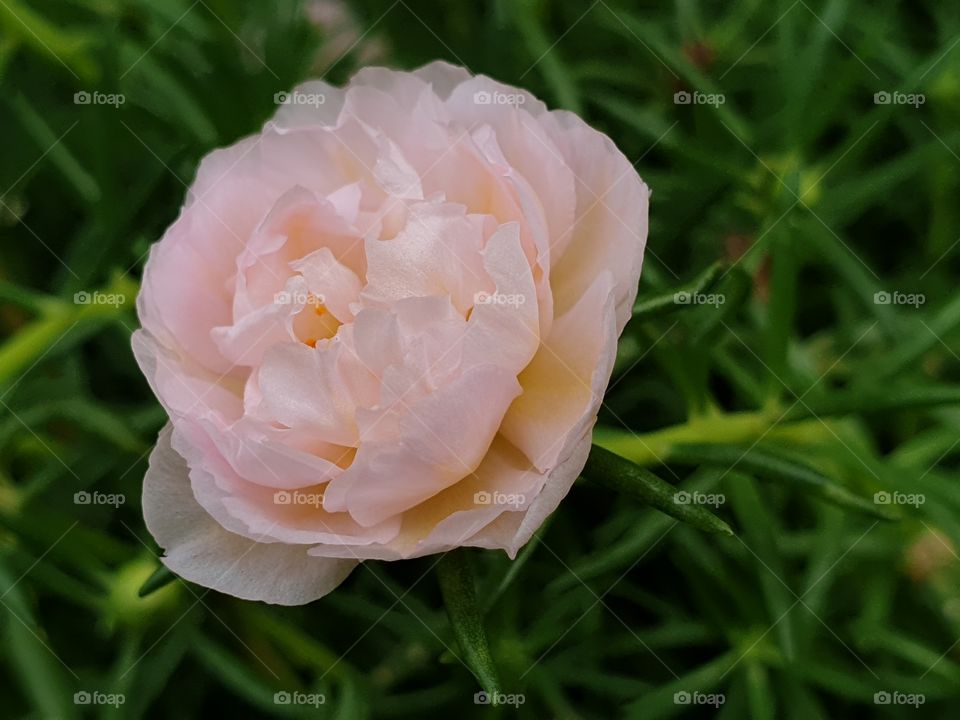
(720, 428)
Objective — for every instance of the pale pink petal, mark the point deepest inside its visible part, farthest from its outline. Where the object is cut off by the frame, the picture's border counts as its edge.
(300, 387)
(200, 550)
(444, 439)
(183, 387)
(437, 253)
(610, 232)
(503, 326)
(334, 284)
(564, 384)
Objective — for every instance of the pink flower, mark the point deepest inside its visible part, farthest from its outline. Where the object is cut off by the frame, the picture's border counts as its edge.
(382, 328)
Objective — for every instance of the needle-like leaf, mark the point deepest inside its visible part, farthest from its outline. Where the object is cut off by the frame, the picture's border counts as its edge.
(460, 597)
(620, 474)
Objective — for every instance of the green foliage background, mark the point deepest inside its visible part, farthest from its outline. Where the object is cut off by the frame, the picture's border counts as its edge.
(803, 391)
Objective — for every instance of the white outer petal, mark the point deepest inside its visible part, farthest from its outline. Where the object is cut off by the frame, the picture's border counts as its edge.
(200, 550)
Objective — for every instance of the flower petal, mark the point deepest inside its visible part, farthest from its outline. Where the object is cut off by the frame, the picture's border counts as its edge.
(200, 550)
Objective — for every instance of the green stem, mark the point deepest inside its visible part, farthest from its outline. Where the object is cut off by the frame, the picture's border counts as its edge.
(720, 428)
